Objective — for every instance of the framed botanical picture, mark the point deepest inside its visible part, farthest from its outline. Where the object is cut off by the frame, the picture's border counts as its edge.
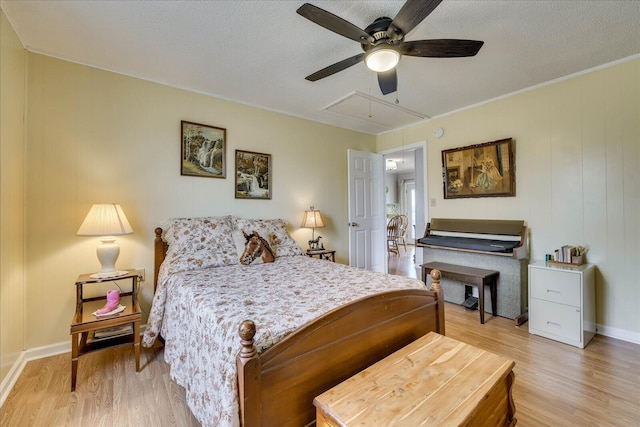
(203, 150)
(253, 175)
(482, 170)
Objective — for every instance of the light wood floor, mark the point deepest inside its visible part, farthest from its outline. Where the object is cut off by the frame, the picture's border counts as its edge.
(402, 264)
(556, 384)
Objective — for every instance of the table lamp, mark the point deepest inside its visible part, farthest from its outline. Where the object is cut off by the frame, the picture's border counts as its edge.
(106, 221)
(312, 219)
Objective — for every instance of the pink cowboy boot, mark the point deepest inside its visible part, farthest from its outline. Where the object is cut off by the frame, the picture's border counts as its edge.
(113, 301)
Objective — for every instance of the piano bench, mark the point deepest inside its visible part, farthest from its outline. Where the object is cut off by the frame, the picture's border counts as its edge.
(471, 275)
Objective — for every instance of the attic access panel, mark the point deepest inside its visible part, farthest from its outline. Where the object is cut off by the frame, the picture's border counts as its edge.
(384, 115)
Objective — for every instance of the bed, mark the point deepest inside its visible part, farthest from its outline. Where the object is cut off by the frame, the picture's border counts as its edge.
(254, 338)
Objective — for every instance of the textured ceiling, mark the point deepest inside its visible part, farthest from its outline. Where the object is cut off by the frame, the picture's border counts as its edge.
(258, 52)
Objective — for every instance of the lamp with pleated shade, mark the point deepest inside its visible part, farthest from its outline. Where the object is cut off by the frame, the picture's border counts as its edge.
(312, 219)
(106, 220)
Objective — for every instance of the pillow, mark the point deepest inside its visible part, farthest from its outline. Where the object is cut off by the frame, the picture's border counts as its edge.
(196, 243)
(256, 249)
(274, 231)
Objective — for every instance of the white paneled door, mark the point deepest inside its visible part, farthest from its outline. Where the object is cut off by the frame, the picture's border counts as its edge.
(367, 226)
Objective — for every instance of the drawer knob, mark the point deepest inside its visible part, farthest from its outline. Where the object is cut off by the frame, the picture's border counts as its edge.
(553, 291)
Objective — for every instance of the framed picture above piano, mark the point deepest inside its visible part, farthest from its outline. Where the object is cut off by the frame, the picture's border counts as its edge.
(481, 170)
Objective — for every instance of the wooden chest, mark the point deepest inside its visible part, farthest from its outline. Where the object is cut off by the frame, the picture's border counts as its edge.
(434, 381)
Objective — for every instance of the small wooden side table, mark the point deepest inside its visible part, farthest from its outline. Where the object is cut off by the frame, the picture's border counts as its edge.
(84, 324)
(322, 254)
(433, 381)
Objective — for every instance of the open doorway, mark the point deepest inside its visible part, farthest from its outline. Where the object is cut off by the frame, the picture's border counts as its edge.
(405, 193)
(408, 206)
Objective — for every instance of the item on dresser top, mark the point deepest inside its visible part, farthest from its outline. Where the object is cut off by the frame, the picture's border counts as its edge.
(569, 254)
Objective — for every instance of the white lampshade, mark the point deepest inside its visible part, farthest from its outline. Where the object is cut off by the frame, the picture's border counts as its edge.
(106, 220)
(382, 58)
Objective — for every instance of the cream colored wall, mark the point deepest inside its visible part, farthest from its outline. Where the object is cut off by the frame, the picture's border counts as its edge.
(96, 136)
(12, 99)
(577, 150)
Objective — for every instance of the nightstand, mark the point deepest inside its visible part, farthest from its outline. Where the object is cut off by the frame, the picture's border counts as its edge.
(90, 333)
(322, 254)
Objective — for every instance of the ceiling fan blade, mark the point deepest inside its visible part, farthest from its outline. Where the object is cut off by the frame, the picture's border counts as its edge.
(334, 23)
(334, 68)
(411, 14)
(388, 81)
(441, 48)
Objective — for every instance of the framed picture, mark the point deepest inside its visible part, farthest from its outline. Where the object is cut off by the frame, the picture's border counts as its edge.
(203, 150)
(253, 175)
(482, 170)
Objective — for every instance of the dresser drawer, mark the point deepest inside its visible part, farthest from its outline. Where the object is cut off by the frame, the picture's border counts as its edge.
(558, 320)
(555, 286)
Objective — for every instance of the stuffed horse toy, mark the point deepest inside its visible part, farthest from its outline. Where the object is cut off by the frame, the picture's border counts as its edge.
(256, 248)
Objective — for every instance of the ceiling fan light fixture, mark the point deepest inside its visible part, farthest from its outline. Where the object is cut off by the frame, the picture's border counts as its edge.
(382, 58)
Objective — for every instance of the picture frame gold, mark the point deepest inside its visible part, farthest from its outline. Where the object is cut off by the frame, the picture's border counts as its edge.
(203, 150)
(253, 175)
(481, 170)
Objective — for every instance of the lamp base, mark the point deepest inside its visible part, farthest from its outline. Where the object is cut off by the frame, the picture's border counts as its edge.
(108, 253)
(109, 275)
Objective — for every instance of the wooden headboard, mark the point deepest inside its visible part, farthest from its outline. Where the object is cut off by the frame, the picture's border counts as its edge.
(159, 251)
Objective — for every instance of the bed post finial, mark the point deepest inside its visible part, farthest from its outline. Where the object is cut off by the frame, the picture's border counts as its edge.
(435, 287)
(159, 252)
(249, 369)
(247, 331)
(435, 280)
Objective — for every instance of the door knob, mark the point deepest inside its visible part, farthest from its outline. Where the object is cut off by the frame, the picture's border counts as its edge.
(353, 224)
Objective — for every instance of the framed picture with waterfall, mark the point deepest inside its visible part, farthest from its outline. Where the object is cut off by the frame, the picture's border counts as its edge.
(481, 170)
(253, 175)
(203, 150)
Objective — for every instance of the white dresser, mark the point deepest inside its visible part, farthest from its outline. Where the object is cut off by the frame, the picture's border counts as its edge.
(562, 302)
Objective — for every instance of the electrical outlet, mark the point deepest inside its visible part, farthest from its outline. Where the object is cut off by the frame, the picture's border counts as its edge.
(140, 272)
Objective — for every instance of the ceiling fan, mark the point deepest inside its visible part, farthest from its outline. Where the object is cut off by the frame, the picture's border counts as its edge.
(383, 41)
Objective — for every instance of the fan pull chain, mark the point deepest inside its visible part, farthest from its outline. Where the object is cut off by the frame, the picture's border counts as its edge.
(370, 115)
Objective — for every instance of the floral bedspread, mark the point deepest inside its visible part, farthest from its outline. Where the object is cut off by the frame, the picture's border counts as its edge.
(198, 313)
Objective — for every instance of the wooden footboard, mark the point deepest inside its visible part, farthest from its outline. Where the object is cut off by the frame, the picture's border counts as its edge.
(277, 387)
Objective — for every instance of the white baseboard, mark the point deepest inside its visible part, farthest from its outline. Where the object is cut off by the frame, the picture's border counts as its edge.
(621, 334)
(25, 357)
(34, 354)
(11, 378)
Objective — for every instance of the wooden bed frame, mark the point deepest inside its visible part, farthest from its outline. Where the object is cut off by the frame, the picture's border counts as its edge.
(278, 386)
